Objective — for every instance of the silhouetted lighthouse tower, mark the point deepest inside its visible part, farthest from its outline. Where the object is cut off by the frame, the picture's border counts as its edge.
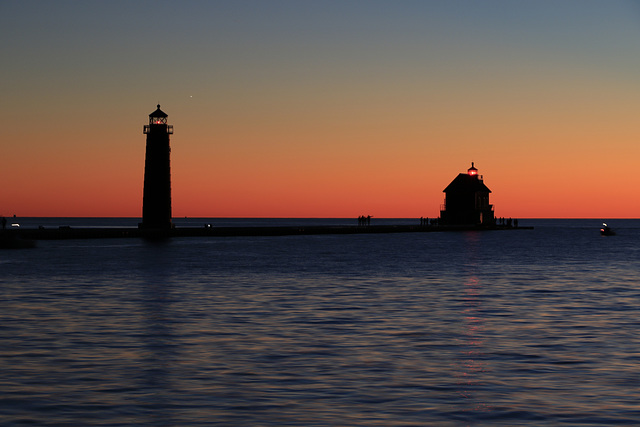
(156, 200)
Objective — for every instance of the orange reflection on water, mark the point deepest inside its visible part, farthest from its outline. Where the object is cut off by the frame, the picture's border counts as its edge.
(471, 366)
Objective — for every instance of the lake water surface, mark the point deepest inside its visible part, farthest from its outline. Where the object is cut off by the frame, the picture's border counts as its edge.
(521, 327)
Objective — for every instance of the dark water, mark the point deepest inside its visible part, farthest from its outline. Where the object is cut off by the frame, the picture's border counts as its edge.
(530, 327)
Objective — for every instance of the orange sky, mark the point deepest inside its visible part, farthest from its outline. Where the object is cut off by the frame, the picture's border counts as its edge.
(288, 119)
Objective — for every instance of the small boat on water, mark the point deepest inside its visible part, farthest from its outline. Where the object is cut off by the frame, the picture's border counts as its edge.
(606, 230)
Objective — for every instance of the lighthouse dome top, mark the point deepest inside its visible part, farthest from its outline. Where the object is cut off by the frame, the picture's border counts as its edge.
(158, 117)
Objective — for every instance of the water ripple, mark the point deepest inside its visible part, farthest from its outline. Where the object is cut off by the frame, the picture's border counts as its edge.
(399, 330)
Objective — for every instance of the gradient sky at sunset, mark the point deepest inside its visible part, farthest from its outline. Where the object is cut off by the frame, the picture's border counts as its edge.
(321, 108)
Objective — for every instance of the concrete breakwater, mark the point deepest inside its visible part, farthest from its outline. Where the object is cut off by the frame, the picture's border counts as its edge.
(100, 233)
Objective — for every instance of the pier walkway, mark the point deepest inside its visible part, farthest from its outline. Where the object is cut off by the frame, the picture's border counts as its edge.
(100, 233)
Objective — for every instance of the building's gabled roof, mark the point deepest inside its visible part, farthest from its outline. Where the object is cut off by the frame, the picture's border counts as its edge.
(466, 183)
(158, 113)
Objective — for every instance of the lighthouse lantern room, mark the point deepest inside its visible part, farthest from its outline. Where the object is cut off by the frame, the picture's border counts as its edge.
(158, 117)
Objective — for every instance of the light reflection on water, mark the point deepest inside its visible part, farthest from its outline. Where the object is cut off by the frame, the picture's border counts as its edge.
(442, 329)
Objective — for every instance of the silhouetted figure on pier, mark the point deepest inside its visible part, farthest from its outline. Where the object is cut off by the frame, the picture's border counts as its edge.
(364, 220)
